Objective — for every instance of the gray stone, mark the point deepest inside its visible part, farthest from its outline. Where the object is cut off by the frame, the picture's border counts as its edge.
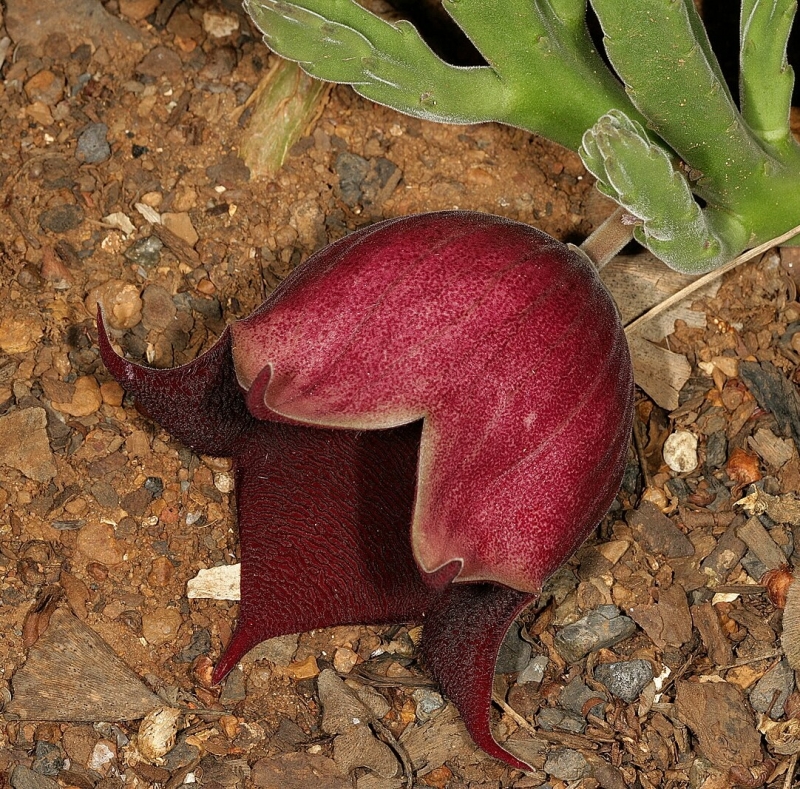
(429, 702)
(25, 778)
(352, 170)
(514, 652)
(199, 645)
(780, 680)
(144, 252)
(229, 170)
(716, 450)
(550, 718)
(181, 755)
(599, 629)
(625, 679)
(567, 765)
(575, 695)
(93, 146)
(234, 690)
(279, 650)
(534, 671)
(104, 494)
(48, 759)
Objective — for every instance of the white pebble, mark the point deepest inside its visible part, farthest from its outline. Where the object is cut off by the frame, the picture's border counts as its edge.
(680, 451)
(223, 482)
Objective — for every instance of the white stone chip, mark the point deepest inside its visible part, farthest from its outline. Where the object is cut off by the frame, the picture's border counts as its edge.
(216, 583)
(680, 451)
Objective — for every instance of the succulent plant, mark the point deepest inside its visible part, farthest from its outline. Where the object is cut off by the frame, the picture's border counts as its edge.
(658, 127)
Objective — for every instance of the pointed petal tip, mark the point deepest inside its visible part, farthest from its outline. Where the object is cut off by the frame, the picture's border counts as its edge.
(244, 639)
(460, 644)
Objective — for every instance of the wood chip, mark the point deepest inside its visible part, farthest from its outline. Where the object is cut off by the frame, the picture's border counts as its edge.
(435, 742)
(790, 638)
(668, 622)
(713, 636)
(175, 244)
(757, 539)
(772, 450)
(775, 393)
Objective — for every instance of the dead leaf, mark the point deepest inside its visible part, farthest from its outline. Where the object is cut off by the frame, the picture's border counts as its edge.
(637, 284)
(71, 674)
(718, 714)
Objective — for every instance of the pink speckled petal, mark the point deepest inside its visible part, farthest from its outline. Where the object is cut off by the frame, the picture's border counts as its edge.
(502, 339)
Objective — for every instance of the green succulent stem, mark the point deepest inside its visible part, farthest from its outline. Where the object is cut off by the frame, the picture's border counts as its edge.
(659, 128)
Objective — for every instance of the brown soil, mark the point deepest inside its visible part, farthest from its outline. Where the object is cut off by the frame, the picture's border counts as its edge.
(103, 514)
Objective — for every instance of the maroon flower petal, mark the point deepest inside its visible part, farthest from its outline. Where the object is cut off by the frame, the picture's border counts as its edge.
(324, 520)
(200, 403)
(461, 638)
(323, 529)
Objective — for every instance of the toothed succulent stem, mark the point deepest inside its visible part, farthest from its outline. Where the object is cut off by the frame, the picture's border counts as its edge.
(705, 179)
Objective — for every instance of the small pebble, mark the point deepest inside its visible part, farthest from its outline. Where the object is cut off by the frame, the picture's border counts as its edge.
(102, 755)
(534, 671)
(48, 759)
(567, 765)
(120, 221)
(716, 450)
(137, 9)
(219, 25)
(181, 225)
(97, 541)
(160, 572)
(93, 146)
(158, 308)
(352, 170)
(24, 444)
(182, 755)
(46, 87)
(550, 718)
(21, 333)
(122, 305)
(778, 682)
(161, 625)
(61, 218)
(112, 393)
(86, 398)
(680, 451)
(154, 486)
(576, 694)
(223, 482)
(625, 679)
(199, 645)
(234, 689)
(344, 659)
(603, 627)
(24, 778)
(429, 703)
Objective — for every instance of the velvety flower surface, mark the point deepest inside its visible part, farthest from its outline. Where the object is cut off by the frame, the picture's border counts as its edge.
(425, 420)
